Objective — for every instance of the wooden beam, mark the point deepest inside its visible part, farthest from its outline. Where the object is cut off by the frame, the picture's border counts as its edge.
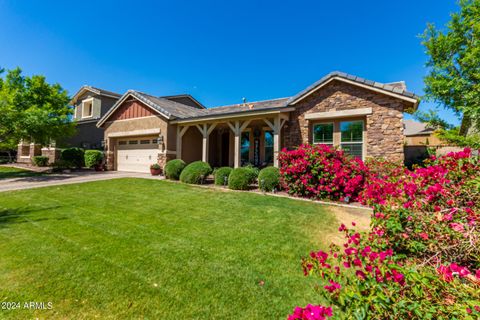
(210, 129)
(245, 124)
(269, 124)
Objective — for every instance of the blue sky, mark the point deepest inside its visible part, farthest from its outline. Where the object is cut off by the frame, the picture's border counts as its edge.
(218, 51)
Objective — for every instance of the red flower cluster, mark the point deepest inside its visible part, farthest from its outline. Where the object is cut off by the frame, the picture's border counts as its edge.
(447, 272)
(321, 172)
(311, 312)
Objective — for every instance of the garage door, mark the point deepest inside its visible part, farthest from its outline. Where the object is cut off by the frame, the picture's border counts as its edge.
(136, 154)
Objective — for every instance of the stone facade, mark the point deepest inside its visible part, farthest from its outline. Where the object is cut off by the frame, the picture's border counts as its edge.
(383, 135)
(52, 153)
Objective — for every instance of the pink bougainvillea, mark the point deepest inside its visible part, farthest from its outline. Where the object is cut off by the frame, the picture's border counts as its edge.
(423, 241)
(311, 312)
(321, 172)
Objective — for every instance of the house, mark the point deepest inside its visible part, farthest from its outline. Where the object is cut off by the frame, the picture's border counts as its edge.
(419, 134)
(90, 105)
(363, 117)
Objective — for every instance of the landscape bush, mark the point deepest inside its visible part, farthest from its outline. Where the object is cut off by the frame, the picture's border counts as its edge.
(220, 174)
(252, 172)
(269, 179)
(195, 172)
(93, 158)
(421, 257)
(321, 172)
(240, 179)
(174, 168)
(75, 156)
(40, 161)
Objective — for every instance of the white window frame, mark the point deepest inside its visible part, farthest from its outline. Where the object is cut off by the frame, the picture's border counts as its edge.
(353, 142)
(90, 100)
(333, 133)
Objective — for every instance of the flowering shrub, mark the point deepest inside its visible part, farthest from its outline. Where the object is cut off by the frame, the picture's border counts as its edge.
(421, 257)
(432, 212)
(321, 172)
(311, 313)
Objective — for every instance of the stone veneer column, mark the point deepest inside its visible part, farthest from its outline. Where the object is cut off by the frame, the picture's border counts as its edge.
(52, 153)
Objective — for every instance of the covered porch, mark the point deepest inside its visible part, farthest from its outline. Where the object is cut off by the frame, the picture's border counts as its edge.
(232, 141)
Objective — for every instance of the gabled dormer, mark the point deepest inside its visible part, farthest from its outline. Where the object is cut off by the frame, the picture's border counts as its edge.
(92, 103)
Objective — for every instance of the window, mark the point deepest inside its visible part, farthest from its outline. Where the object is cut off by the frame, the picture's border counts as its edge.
(122, 142)
(87, 108)
(352, 138)
(144, 141)
(268, 146)
(245, 147)
(133, 142)
(323, 133)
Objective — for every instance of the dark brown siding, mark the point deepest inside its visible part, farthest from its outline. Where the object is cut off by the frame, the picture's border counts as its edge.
(131, 109)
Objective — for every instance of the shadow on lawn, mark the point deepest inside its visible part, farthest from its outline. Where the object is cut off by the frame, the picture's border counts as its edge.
(24, 215)
(19, 174)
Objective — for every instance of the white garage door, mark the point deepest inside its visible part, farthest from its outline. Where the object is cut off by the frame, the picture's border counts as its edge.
(136, 154)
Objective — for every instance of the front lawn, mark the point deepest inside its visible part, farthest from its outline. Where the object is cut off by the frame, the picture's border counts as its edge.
(11, 172)
(135, 248)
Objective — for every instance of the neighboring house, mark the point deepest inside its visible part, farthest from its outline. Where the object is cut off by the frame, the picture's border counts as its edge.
(362, 117)
(419, 134)
(90, 105)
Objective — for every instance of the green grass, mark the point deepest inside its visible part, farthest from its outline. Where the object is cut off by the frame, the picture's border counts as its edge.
(10, 173)
(137, 248)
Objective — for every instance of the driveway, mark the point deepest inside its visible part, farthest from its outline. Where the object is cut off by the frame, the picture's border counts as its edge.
(66, 178)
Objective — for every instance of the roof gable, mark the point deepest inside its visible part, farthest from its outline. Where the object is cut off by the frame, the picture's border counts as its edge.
(94, 90)
(161, 106)
(394, 89)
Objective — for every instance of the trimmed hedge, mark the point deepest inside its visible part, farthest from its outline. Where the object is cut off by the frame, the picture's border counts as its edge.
(93, 157)
(195, 172)
(240, 179)
(174, 168)
(252, 172)
(40, 161)
(269, 179)
(220, 175)
(75, 156)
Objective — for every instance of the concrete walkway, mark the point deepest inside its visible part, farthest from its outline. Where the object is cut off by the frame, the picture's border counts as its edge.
(56, 179)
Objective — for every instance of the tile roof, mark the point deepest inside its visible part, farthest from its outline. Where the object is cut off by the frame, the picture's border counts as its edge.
(168, 107)
(393, 87)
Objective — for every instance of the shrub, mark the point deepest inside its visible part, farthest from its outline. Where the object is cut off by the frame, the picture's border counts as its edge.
(74, 156)
(269, 179)
(174, 168)
(40, 161)
(421, 257)
(321, 172)
(220, 175)
(62, 165)
(195, 172)
(240, 179)
(93, 158)
(252, 172)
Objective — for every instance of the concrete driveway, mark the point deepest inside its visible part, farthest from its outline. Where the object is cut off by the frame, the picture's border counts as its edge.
(55, 179)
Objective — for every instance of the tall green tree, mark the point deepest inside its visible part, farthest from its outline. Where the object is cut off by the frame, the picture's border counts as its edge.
(453, 80)
(32, 109)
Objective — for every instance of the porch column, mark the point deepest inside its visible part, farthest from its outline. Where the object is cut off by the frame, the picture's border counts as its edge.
(180, 132)
(237, 128)
(205, 130)
(276, 127)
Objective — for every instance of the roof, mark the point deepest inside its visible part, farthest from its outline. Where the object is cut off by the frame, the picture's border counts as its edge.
(168, 108)
(395, 88)
(173, 110)
(95, 90)
(413, 128)
(184, 95)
